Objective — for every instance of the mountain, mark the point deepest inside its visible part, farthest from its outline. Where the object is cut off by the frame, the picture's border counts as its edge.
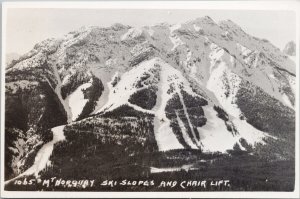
(134, 92)
(290, 48)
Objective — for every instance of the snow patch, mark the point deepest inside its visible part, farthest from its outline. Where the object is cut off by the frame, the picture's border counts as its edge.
(77, 101)
(197, 28)
(214, 135)
(225, 85)
(249, 133)
(175, 38)
(176, 41)
(244, 51)
(172, 169)
(164, 136)
(160, 170)
(66, 79)
(223, 82)
(215, 55)
(287, 101)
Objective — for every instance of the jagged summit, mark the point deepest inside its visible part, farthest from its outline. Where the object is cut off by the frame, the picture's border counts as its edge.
(205, 19)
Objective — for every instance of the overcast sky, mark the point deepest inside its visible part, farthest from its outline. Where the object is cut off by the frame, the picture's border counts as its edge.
(26, 27)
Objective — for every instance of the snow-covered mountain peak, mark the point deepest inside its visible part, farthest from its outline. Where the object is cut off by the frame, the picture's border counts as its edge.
(205, 20)
(195, 85)
(158, 69)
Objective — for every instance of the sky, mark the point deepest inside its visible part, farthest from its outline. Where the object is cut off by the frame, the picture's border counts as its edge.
(27, 26)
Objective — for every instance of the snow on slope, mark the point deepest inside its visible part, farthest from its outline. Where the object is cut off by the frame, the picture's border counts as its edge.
(222, 78)
(41, 160)
(174, 37)
(42, 157)
(166, 140)
(57, 90)
(249, 133)
(197, 28)
(186, 167)
(213, 135)
(222, 82)
(259, 74)
(244, 51)
(164, 135)
(176, 41)
(174, 27)
(76, 100)
(120, 94)
(225, 85)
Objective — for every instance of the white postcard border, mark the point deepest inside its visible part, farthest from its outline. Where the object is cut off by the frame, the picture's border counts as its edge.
(211, 5)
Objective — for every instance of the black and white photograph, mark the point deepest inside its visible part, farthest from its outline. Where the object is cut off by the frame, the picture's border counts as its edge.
(150, 97)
